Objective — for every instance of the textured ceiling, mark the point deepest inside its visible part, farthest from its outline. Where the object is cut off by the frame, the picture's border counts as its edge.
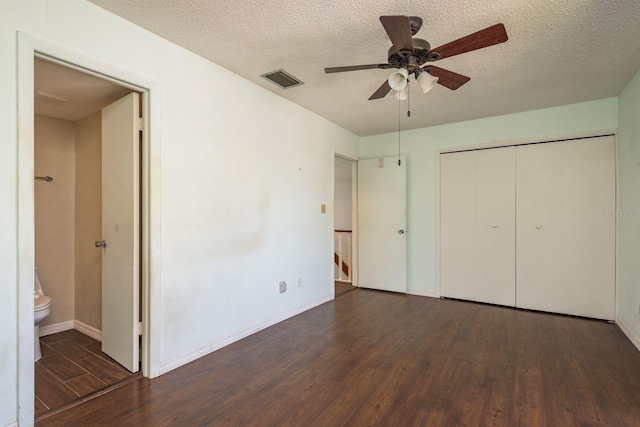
(559, 51)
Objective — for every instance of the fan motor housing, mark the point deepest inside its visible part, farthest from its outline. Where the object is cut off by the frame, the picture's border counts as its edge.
(408, 60)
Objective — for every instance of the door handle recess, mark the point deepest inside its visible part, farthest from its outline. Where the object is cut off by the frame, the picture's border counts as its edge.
(401, 231)
(101, 244)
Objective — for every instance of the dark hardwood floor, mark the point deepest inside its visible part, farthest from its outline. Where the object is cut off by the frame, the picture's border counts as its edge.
(72, 366)
(376, 358)
(342, 288)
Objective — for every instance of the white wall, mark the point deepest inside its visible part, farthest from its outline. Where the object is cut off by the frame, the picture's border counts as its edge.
(54, 155)
(420, 147)
(629, 208)
(243, 174)
(88, 259)
(342, 198)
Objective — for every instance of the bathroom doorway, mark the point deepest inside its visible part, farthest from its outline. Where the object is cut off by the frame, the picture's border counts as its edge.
(30, 47)
(87, 145)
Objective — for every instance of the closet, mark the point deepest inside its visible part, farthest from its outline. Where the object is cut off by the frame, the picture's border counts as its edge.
(531, 226)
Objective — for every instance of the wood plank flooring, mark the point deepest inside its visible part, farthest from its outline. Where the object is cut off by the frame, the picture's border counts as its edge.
(72, 366)
(383, 359)
(342, 288)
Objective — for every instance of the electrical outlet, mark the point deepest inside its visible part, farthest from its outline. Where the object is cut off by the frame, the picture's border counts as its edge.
(299, 281)
(283, 286)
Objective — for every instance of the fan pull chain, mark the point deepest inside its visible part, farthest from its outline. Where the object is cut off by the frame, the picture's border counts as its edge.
(399, 113)
(408, 99)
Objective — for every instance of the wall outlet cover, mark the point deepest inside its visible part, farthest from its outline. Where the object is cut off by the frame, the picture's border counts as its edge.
(283, 286)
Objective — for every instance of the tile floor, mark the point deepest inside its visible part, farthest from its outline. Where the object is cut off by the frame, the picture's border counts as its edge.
(72, 366)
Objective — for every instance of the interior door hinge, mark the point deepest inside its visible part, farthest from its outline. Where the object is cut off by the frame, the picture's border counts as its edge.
(140, 328)
(140, 124)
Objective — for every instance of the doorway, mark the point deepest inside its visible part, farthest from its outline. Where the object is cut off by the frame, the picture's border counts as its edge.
(30, 48)
(344, 207)
(81, 142)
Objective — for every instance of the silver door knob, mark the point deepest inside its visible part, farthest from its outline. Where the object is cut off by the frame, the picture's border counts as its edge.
(400, 231)
(101, 244)
(494, 226)
(538, 227)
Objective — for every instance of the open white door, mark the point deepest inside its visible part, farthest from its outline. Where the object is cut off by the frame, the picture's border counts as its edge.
(121, 231)
(382, 247)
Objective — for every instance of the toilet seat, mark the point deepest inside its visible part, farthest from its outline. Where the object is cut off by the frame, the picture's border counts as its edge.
(41, 302)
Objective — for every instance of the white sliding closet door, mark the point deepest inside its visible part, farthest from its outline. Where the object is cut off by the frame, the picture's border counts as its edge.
(477, 225)
(588, 222)
(539, 227)
(495, 226)
(531, 226)
(457, 224)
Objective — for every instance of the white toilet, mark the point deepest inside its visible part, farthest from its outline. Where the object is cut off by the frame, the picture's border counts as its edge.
(42, 306)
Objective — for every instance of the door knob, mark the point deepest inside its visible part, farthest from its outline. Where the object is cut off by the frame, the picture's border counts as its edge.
(494, 226)
(538, 227)
(101, 244)
(400, 231)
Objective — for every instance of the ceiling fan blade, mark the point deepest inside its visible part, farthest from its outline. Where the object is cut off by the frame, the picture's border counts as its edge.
(447, 78)
(381, 92)
(483, 38)
(399, 30)
(355, 68)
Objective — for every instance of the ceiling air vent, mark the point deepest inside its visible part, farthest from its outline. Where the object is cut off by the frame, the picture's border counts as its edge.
(47, 98)
(282, 79)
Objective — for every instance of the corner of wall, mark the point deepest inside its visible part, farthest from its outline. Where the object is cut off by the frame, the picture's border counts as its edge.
(629, 209)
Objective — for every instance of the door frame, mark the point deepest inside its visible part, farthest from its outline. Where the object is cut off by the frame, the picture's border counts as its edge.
(354, 216)
(28, 48)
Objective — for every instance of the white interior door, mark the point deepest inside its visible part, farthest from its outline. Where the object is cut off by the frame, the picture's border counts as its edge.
(121, 231)
(477, 225)
(382, 247)
(588, 223)
(495, 239)
(457, 225)
(539, 227)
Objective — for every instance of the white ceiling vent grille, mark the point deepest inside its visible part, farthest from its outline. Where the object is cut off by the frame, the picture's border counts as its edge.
(282, 79)
(50, 99)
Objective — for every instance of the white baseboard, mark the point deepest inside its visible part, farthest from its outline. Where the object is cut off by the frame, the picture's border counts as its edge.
(55, 328)
(87, 330)
(13, 425)
(421, 293)
(212, 346)
(68, 325)
(628, 332)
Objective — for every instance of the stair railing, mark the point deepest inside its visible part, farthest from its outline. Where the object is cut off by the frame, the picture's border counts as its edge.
(342, 256)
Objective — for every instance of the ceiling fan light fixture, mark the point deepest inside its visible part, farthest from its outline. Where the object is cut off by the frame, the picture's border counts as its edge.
(402, 93)
(426, 81)
(398, 79)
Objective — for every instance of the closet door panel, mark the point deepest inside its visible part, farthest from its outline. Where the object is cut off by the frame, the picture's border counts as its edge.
(457, 225)
(588, 221)
(495, 226)
(539, 227)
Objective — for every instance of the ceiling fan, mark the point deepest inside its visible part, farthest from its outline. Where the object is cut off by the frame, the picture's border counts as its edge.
(414, 56)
